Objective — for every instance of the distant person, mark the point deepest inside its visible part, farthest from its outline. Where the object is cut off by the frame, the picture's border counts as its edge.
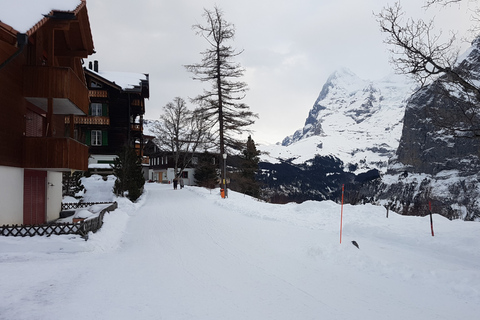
(175, 183)
(181, 184)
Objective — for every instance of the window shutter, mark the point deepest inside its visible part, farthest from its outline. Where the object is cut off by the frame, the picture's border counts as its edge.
(104, 138)
(88, 138)
(105, 110)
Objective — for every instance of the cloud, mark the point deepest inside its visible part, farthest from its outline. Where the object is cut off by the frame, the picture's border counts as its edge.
(290, 49)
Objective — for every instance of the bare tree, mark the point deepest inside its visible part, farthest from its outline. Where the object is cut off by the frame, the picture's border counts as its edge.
(182, 132)
(221, 105)
(418, 51)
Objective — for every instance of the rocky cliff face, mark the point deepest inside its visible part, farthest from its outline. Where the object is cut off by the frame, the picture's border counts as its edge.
(437, 160)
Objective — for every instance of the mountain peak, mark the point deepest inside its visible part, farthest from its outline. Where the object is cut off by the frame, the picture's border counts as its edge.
(353, 118)
(342, 73)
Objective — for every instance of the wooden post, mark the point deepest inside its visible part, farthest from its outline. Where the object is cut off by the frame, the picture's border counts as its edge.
(51, 80)
(72, 126)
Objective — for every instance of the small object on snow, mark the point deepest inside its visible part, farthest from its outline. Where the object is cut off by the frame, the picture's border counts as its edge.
(355, 244)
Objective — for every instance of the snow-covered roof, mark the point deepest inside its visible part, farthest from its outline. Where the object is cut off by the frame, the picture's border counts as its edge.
(126, 80)
(22, 15)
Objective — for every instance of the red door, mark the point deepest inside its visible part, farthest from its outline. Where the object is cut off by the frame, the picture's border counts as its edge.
(34, 195)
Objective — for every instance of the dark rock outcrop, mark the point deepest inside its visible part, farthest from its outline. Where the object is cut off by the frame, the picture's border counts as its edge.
(437, 162)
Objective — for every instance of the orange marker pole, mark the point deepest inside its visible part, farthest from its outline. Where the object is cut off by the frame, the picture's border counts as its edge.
(431, 218)
(341, 216)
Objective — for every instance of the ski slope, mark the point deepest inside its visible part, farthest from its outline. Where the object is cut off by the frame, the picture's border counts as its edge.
(188, 254)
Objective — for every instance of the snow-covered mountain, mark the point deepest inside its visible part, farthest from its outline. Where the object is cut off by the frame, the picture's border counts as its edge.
(358, 121)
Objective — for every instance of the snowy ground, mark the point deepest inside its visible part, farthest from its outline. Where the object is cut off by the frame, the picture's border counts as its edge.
(188, 254)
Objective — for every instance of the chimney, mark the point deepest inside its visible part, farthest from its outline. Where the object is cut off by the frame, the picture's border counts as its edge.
(95, 66)
(90, 65)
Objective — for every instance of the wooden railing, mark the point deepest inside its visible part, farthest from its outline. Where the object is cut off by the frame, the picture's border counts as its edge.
(81, 228)
(59, 83)
(89, 120)
(137, 102)
(60, 154)
(98, 93)
(136, 127)
(77, 205)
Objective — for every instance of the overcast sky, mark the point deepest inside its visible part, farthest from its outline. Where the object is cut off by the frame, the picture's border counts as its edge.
(290, 48)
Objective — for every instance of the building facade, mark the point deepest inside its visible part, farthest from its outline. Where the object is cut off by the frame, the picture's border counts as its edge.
(115, 114)
(42, 83)
(161, 167)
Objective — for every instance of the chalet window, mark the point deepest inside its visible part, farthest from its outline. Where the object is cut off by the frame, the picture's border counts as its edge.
(96, 109)
(99, 109)
(185, 174)
(96, 138)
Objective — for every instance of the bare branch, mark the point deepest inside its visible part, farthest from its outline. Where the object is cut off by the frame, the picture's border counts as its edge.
(181, 132)
(441, 2)
(418, 51)
(220, 105)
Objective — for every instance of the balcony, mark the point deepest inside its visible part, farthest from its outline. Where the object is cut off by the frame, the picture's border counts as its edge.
(69, 93)
(98, 94)
(56, 154)
(138, 106)
(89, 120)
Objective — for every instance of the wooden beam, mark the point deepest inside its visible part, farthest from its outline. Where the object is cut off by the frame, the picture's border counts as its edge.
(71, 53)
(50, 63)
(72, 126)
(60, 24)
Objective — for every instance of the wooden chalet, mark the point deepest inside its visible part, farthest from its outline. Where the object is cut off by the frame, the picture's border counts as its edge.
(162, 165)
(42, 82)
(115, 114)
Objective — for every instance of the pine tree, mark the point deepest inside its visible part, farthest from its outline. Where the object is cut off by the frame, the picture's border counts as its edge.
(206, 172)
(244, 180)
(127, 168)
(250, 168)
(72, 183)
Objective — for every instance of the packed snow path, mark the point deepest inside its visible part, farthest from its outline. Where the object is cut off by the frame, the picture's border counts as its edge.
(188, 254)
